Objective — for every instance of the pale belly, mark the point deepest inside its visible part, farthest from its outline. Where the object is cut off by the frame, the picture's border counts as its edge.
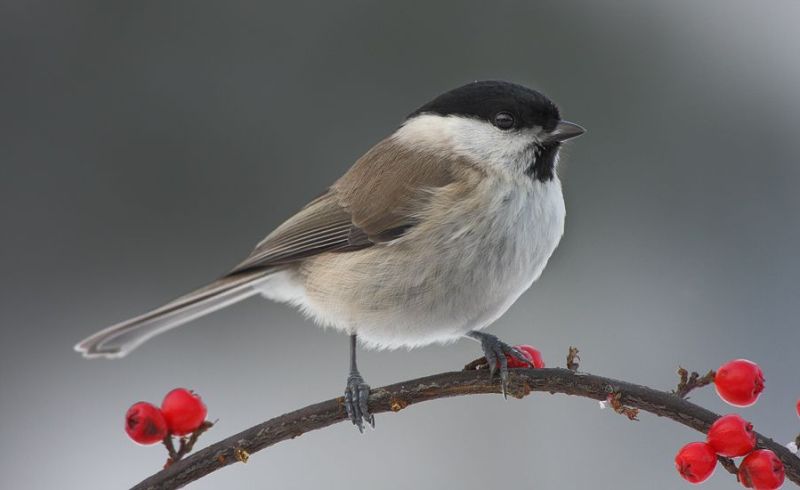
(425, 289)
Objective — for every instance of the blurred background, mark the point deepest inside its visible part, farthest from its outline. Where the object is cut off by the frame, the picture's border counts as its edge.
(146, 146)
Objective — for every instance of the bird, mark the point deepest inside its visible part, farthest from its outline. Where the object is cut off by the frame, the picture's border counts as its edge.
(428, 238)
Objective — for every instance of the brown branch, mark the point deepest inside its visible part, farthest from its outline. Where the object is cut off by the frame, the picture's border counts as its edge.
(399, 396)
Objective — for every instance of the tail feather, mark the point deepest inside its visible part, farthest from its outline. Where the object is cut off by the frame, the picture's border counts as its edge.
(118, 340)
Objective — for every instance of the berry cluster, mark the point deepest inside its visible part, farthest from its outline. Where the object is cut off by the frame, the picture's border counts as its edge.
(182, 413)
(739, 383)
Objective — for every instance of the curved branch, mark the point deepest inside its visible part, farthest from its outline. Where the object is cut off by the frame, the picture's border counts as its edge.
(398, 396)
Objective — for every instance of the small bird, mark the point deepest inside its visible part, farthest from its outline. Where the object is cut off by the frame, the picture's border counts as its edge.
(429, 237)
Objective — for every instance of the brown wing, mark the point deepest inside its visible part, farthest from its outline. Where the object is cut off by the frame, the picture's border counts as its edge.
(377, 200)
(323, 225)
(388, 187)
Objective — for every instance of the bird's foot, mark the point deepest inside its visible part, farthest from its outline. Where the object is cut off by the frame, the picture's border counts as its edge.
(356, 396)
(495, 351)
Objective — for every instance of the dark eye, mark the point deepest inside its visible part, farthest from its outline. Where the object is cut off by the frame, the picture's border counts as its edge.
(504, 120)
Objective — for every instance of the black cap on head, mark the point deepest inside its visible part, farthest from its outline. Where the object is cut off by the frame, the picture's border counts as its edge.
(485, 99)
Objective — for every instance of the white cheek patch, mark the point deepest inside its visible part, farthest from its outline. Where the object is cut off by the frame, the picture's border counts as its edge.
(472, 138)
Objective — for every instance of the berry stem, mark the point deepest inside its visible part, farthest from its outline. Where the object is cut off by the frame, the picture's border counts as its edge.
(185, 445)
(173, 455)
(729, 465)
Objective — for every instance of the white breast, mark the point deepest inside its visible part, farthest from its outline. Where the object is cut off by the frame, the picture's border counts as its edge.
(510, 248)
(441, 281)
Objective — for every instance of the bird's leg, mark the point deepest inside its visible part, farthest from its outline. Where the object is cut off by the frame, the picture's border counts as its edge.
(356, 394)
(495, 351)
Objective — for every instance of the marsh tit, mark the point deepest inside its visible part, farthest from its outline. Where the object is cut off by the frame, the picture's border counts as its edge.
(429, 237)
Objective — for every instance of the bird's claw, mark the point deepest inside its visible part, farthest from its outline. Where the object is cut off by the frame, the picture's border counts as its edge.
(495, 351)
(356, 396)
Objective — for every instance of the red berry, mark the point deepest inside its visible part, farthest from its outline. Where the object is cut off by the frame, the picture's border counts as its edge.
(184, 411)
(696, 462)
(739, 382)
(145, 423)
(536, 356)
(731, 436)
(798, 408)
(530, 353)
(761, 470)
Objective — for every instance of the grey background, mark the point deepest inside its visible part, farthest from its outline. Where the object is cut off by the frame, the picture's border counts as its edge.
(146, 146)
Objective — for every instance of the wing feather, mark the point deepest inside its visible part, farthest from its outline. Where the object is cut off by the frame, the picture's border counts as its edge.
(379, 199)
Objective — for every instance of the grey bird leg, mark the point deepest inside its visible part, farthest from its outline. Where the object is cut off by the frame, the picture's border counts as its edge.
(495, 351)
(356, 395)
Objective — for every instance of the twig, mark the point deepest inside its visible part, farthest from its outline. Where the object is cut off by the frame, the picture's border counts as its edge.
(615, 399)
(689, 382)
(573, 358)
(398, 396)
(479, 363)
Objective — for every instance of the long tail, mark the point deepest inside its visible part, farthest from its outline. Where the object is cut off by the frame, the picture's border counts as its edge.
(118, 340)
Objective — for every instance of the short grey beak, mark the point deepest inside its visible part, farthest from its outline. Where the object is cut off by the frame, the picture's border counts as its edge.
(565, 130)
